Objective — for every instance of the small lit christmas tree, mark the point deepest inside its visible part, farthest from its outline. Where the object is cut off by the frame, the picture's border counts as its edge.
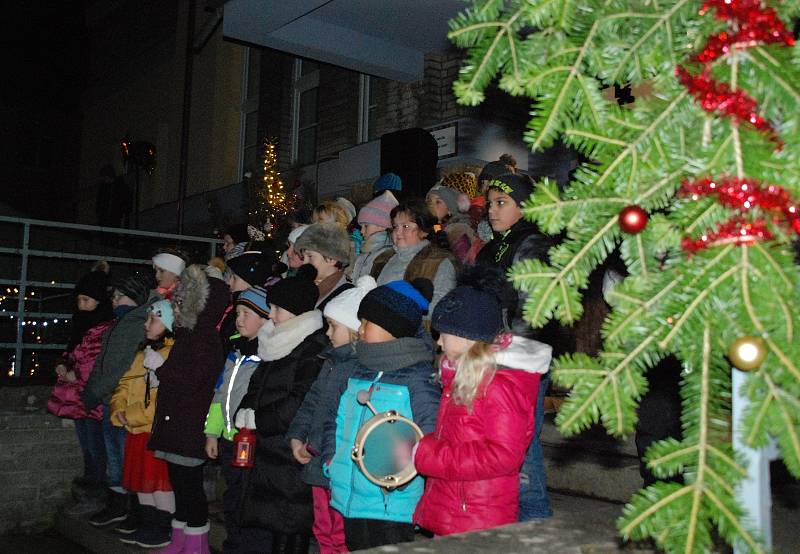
(697, 185)
(271, 202)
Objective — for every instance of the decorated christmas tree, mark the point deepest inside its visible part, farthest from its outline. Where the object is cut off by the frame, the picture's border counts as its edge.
(696, 185)
(269, 199)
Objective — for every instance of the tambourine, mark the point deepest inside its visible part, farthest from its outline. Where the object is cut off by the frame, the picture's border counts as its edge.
(378, 442)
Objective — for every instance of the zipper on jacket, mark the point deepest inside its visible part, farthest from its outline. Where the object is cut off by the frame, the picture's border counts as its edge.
(461, 496)
(227, 414)
(354, 466)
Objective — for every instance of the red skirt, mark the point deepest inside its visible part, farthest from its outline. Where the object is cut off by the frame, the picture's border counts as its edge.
(142, 471)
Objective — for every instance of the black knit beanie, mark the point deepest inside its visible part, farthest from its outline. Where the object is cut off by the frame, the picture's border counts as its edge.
(517, 186)
(255, 267)
(94, 285)
(137, 287)
(398, 306)
(296, 294)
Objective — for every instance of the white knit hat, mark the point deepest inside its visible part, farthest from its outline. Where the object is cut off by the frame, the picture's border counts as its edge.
(344, 307)
(295, 233)
(170, 262)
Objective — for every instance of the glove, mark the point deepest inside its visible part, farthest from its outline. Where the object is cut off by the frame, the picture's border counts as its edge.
(245, 418)
(152, 359)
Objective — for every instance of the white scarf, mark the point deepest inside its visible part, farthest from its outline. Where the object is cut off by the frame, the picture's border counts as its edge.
(277, 341)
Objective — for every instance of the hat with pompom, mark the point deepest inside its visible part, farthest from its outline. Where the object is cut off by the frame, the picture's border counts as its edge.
(398, 306)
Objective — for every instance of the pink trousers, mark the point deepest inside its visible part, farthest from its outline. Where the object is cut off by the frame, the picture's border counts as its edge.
(328, 523)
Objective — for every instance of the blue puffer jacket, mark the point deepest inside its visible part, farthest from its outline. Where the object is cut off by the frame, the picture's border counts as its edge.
(400, 374)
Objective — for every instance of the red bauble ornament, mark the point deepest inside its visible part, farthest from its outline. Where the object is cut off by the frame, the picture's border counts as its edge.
(632, 219)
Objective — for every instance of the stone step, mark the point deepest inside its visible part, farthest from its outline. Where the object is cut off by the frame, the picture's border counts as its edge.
(590, 464)
(103, 540)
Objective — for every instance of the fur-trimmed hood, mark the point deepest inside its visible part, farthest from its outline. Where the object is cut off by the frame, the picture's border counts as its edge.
(199, 299)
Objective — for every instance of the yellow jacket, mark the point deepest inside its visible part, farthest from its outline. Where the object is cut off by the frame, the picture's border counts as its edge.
(129, 396)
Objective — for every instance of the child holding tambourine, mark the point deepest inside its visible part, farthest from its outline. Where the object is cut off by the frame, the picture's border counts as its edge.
(486, 418)
(394, 370)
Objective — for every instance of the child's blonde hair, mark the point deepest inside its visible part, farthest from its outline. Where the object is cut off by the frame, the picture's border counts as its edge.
(475, 369)
(330, 211)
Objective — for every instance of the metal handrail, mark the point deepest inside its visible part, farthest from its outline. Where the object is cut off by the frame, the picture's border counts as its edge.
(23, 283)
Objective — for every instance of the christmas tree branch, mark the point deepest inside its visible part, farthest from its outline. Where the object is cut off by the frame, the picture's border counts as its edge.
(664, 19)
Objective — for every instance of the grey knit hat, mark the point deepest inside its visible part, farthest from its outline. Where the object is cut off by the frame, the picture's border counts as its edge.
(329, 239)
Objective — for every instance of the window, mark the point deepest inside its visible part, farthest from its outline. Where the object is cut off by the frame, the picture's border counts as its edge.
(304, 112)
(250, 144)
(367, 105)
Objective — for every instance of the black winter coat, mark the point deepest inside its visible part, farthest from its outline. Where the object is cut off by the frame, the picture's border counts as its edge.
(187, 378)
(274, 496)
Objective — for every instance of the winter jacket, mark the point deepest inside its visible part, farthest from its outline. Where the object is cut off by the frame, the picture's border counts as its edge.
(132, 395)
(472, 460)
(66, 398)
(522, 241)
(370, 249)
(308, 424)
(274, 497)
(400, 375)
(231, 388)
(443, 278)
(186, 380)
(120, 345)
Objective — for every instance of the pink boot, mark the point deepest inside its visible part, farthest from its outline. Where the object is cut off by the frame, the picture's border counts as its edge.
(176, 545)
(196, 540)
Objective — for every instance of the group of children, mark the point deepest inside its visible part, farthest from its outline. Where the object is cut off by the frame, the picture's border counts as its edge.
(304, 347)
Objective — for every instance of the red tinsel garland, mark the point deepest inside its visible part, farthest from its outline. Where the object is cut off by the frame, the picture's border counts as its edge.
(718, 97)
(741, 195)
(735, 231)
(751, 25)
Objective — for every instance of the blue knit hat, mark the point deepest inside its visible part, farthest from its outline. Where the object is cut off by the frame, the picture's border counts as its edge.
(398, 306)
(255, 298)
(387, 181)
(162, 309)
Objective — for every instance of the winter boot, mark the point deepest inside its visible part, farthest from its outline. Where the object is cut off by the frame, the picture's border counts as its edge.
(91, 503)
(116, 510)
(177, 539)
(136, 513)
(290, 544)
(154, 532)
(196, 540)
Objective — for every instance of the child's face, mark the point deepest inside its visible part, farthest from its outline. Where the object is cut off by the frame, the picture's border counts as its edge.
(248, 322)
(503, 210)
(324, 266)
(437, 207)
(237, 284)
(119, 299)
(338, 334)
(227, 243)
(278, 315)
(165, 279)
(86, 303)
(368, 229)
(153, 327)
(369, 332)
(406, 233)
(452, 346)
(294, 257)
